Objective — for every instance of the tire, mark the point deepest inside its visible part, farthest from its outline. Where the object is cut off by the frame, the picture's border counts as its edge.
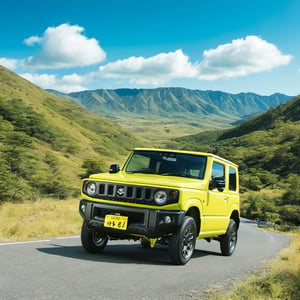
(228, 241)
(92, 241)
(182, 243)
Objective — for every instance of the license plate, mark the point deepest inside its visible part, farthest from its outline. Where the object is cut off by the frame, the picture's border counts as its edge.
(117, 222)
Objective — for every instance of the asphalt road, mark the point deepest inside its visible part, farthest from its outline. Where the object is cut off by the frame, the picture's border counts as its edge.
(59, 268)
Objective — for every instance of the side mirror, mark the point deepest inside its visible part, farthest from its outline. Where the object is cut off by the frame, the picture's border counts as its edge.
(114, 169)
(217, 183)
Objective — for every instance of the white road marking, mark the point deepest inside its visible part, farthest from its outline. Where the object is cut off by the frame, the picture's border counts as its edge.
(38, 241)
(67, 237)
(26, 242)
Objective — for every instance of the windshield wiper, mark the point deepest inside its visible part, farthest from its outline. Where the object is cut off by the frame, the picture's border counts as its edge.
(143, 171)
(178, 174)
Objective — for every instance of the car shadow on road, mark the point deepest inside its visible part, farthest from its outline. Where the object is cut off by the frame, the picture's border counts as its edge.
(125, 254)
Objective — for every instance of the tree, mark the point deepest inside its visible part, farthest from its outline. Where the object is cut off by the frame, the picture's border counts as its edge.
(93, 166)
(15, 153)
(292, 195)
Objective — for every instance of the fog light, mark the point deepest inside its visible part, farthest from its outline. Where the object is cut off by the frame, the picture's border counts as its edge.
(167, 219)
(82, 208)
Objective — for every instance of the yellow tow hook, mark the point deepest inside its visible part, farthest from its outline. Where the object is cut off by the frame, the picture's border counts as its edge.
(152, 242)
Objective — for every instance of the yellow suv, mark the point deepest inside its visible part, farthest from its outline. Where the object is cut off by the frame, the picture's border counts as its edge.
(165, 196)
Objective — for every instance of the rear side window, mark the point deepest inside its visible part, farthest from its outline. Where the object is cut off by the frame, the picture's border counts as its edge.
(218, 170)
(232, 179)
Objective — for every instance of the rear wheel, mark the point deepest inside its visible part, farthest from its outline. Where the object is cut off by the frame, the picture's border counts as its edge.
(182, 243)
(92, 241)
(228, 241)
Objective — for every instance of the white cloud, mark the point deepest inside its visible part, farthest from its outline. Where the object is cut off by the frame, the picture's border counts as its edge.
(241, 57)
(33, 40)
(154, 70)
(64, 46)
(66, 84)
(8, 63)
(238, 58)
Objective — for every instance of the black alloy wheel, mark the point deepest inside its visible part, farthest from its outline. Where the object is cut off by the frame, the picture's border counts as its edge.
(228, 241)
(92, 241)
(182, 243)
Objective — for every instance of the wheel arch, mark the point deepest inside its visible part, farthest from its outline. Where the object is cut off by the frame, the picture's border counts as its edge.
(236, 217)
(194, 212)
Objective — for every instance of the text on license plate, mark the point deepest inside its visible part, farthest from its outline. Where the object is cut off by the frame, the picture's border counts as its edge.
(118, 222)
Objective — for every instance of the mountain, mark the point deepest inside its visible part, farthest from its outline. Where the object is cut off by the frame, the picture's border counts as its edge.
(165, 113)
(174, 101)
(45, 140)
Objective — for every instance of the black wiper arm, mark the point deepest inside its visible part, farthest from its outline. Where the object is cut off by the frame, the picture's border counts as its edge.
(145, 171)
(177, 174)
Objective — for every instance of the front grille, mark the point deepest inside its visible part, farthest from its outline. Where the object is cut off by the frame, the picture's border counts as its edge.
(129, 193)
(126, 193)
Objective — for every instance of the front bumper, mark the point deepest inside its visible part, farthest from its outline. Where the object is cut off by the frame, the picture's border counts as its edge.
(152, 223)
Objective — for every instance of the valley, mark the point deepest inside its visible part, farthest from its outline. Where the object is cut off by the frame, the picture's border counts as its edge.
(164, 113)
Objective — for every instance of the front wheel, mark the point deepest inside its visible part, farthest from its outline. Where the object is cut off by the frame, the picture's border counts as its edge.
(92, 241)
(228, 241)
(182, 243)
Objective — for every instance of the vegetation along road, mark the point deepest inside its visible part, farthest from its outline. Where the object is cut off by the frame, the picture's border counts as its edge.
(60, 269)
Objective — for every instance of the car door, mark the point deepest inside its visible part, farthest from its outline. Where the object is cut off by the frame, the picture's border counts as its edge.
(217, 205)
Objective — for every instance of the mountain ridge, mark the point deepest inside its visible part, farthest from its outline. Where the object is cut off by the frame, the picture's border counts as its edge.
(173, 101)
(166, 113)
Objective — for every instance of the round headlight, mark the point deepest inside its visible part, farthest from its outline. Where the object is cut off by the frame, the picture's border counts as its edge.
(91, 188)
(160, 197)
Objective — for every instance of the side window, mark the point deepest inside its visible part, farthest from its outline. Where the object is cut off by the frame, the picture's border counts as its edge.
(217, 177)
(218, 170)
(232, 179)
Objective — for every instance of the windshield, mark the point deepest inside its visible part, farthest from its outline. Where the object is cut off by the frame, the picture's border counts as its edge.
(167, 164)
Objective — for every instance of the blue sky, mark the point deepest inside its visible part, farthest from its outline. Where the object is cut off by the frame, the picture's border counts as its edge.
(229, 45)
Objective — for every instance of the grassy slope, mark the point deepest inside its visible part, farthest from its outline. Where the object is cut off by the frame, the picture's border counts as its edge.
(39, 219)
(91, 135)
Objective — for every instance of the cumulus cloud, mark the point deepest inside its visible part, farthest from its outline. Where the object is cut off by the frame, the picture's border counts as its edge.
(240, 57)
(64, 46)
(8, 63)
(153, 70)
(66, 84)
(33, 40)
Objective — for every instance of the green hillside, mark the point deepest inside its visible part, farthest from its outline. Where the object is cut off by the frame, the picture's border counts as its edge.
(165, 113)
(45, 140)
(267, 149)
